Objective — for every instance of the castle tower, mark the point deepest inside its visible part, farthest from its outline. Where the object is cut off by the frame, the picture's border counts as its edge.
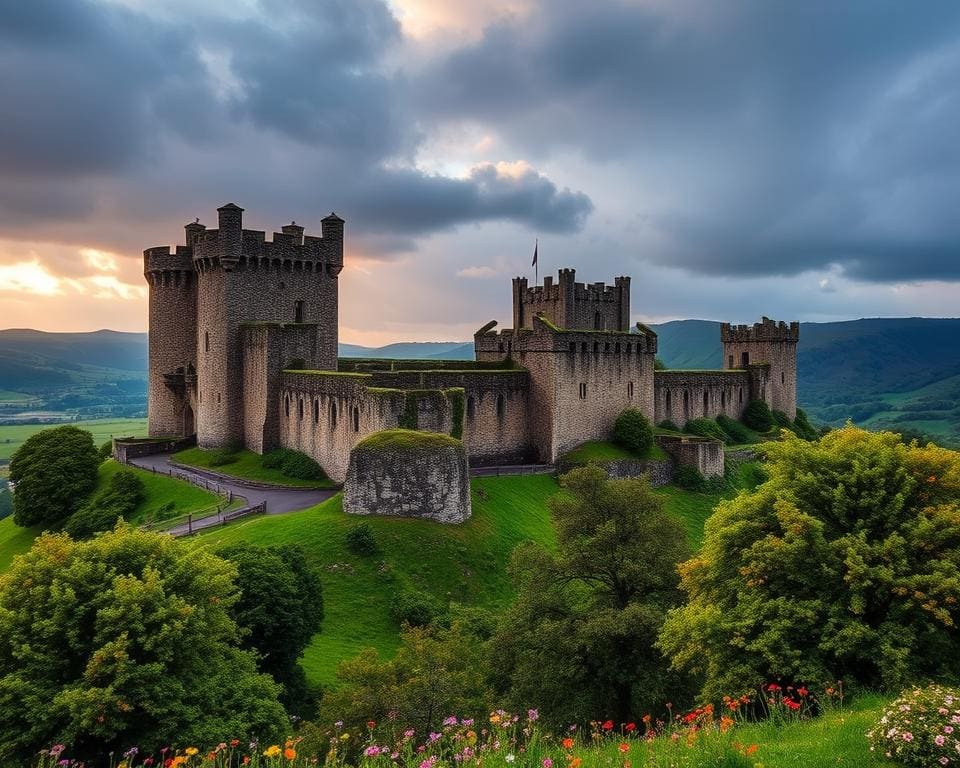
(572, 305)
(769, 350)
(172, 343)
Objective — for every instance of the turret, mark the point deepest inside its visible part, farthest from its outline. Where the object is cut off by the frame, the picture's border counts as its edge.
(769, 344)
(295, 231)
(331, 228)
(230, 218)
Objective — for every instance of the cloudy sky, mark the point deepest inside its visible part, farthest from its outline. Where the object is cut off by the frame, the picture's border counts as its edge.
(795, 159)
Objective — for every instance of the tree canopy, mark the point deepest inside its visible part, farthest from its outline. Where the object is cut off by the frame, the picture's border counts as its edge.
(579, 642)
(844, 564)
(54, 471)
(125, 640)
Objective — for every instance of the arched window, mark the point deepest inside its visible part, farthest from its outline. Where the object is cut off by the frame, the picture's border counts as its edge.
(630, 389)
(501, 406)
(333, 414)
(300, 409)
(668, 404)
(316, 411)
(356, 418)
(583, 347)
(596, 347)
(573, 347)
(583, 391)
(744, 359)
(471, 407)
(783, 377)
(298, 311)
(686, 402)
(740, 398)
(723, 400)
(706, 403)
(286, 406)
(206, 341)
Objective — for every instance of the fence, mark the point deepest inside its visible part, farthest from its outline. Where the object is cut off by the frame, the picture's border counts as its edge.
(513, 469)
(199, 521)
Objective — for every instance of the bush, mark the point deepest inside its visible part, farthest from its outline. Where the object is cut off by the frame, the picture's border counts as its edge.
(632, 431)
(738, 433)
(757, 416)
(667, 424)
(274, 459)
(293, 464)
(782, 420)
(124, 492)
(418, 609)
(706, 428)
(360, 540)
(54, 471)
(690, 479)
(803, 427)
(921, 728)
(220, 457)
(105, 451)
(843, 565)
(132, 623)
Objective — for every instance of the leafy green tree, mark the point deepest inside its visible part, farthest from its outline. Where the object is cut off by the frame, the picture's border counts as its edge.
(105, 451)
(579, 642)
(100, 513)
(844, 564)
(124, 640)
(54, 471)
(803, 427)
(633, 431)
(758, 416)
(281, 609)
(435, 673)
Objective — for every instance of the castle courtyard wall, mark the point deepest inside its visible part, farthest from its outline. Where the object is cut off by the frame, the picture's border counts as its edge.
(685, 395)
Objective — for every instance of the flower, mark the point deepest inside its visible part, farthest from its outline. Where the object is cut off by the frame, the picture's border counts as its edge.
(450, 720)
(372, 751)
(191, 751)
(371, 724)
(907, 736)
(939, 739)
(272, 751)
(509, 758)
(607, 725)
(533, 715)
(547, 763)
(624, 748)
(567, 743)
(630, 727)
(773, 687)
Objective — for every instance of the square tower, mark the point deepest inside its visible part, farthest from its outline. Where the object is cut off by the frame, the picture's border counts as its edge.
(570, 305)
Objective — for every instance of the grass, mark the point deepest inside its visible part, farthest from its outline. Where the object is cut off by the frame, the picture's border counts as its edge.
(14, 541)
(6, 396)
(12, 436)
(246, 465)
(602, 451)
(464, 563)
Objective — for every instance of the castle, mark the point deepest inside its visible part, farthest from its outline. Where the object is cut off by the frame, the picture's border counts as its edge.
(243, 351)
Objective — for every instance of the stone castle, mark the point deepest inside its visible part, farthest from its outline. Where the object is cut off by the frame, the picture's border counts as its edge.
(243, 351)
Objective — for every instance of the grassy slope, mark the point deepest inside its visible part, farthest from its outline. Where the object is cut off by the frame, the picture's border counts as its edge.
(13, 436)
(600, 451)
(464, 563)
(247, 466)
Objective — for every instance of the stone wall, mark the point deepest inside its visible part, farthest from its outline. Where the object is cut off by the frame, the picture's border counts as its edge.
(685, 395)
(701, 452)
(571, 305)
(411, 474)
(772, 344)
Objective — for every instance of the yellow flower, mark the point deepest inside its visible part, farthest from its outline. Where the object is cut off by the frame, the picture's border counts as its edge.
(191, 751)
(272, 751)
(345, 737)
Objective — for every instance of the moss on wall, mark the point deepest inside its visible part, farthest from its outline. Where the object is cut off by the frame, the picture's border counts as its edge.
(405, 440)
(457, 398)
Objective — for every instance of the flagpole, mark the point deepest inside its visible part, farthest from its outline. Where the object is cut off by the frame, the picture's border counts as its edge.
(536, 262)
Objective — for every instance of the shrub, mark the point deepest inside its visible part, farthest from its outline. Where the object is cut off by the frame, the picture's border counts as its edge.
(220, 457)
(844, 562)
(274, 459)
(738, 433)
(782, 420)
(105, 451)
(803, 427)
(690, 479)
(418, 609)
(667, 424)
(299, 466)
(921, 728)
(757, 416)
(360, 540)
(121, 496)
(54, 471)
(632, 431)
(133, 623)
(706, 428)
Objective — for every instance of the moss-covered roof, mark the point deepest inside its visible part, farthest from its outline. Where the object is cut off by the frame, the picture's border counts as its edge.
(407, 440)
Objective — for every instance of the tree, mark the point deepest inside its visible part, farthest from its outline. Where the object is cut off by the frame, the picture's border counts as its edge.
(54, 471)
(281, 609)
(578, 643)
(100, 513)
(845, 564)
(632, 431)
(125, 640)
(758, 416)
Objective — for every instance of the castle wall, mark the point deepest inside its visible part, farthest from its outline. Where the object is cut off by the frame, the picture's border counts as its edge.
(685, 395)
(571, 305)
(770, 343)
(172, 340)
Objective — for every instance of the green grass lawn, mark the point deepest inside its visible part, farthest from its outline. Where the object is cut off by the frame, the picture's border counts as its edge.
(14, 540)
(12, 436)
(462, 563)
(247, 465)
(602, 451)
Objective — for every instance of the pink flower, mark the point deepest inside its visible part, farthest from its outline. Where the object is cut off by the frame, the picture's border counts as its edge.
(372, 751)
(907, 736)
(939, 740)
(547, 762)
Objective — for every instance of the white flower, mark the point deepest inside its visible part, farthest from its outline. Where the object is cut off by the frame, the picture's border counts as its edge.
(510, 758)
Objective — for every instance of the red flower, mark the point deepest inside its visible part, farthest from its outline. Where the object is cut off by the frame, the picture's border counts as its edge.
(371, 724)
(773, 687)
(608, 725)
(630, 727)
(791, 704)
(802, 691)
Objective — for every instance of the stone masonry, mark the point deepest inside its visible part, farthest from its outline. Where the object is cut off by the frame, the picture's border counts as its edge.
(243, 351)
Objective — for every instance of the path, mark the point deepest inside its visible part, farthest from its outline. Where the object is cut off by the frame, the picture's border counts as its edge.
(278, 499)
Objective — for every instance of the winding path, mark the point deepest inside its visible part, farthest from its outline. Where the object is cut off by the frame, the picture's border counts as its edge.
(279, 499)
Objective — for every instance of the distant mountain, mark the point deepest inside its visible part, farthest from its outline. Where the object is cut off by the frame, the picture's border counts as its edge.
(413, 350)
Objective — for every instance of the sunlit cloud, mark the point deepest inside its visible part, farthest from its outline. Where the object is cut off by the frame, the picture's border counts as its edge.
(102, 261)
(478, 272)
(108, 287)
(29, 277)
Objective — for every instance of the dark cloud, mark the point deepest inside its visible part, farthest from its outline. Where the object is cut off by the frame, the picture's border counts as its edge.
(765, 138)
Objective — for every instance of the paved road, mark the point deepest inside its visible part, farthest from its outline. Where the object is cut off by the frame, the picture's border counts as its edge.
(279, 499)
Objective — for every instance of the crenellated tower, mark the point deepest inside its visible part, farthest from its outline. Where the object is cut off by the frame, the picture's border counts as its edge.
(569, 304)
(769, 350)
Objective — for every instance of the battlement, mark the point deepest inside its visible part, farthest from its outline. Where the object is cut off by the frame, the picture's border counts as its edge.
(569, 304)
(765, 330)
(546, 336)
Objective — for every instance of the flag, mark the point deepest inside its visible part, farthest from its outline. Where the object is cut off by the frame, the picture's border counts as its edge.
(536, 245)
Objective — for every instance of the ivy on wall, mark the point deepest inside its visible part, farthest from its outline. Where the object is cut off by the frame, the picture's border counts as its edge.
(455, 397)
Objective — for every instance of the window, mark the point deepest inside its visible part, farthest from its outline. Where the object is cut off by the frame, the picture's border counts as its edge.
(606, 347)
(583, 347)
(668, 403)
(740, 399)
(218, 397)
(598, 321)
(316, 411)
(706, 403)
(630, 389)
(333, 414)
(583, 391)
(298, 311)
(730, 361)
(356, 418)
(501, 406)
(300, 409)
(723, 400)
(616, 347)
(596, 347)
(286, 405)
(686, 402)
(573, 347)
(783, 378)
(471, 407)
(744, 359)
(206, 341)
(628, 348)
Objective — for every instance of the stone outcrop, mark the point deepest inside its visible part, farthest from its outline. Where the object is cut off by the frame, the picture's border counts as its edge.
(407, 473)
